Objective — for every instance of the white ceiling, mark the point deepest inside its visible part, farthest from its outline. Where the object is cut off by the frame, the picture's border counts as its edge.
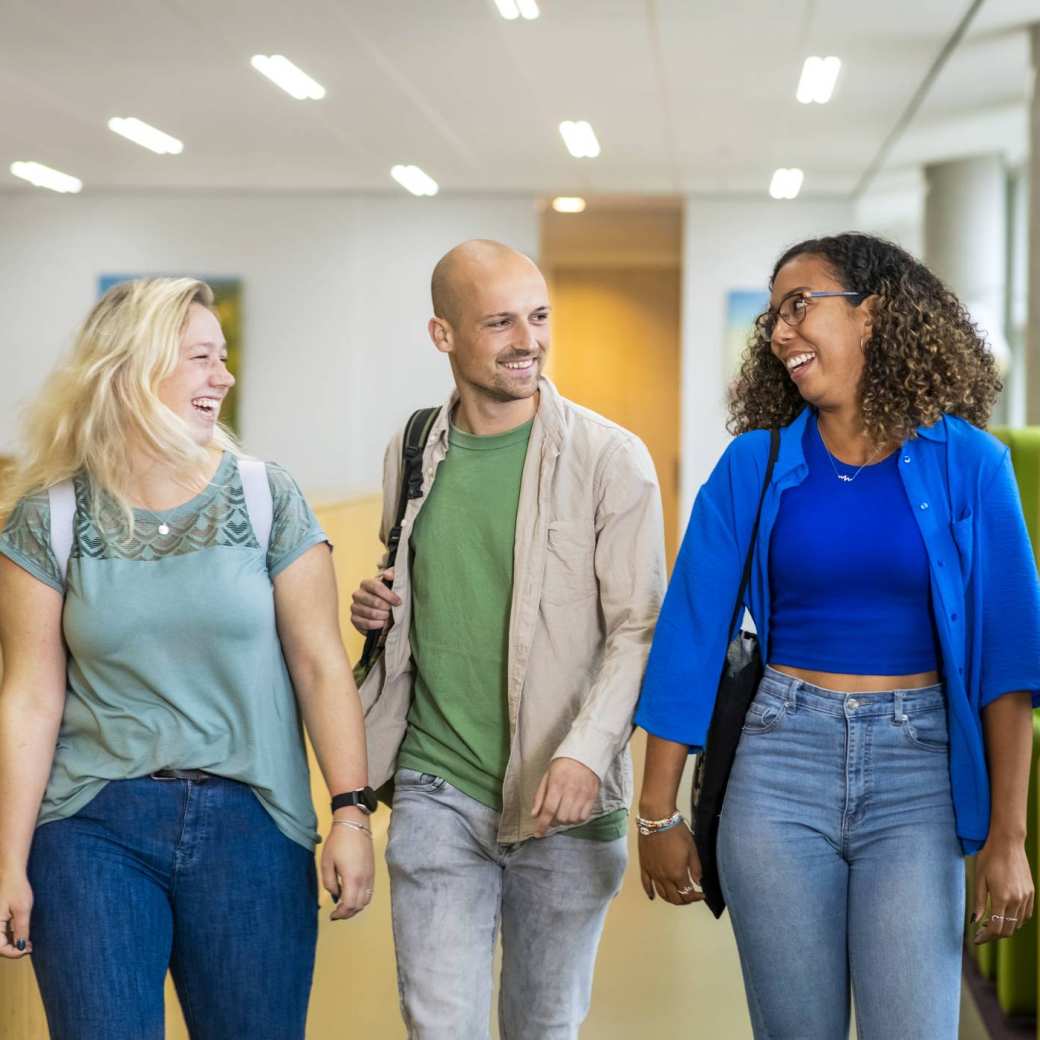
(685, 95)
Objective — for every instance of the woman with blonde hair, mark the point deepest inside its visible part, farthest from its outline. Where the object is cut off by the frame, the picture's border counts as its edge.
(167, 615)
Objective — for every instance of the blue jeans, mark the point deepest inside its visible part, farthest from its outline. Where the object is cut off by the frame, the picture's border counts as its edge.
(187, 875)
(841, 865)
(451, 884)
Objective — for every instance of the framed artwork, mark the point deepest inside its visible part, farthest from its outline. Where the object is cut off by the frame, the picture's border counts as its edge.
(227, 301)
(743, 306)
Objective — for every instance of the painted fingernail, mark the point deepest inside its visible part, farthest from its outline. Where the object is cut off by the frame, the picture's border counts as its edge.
(20, 945)
(974, 918)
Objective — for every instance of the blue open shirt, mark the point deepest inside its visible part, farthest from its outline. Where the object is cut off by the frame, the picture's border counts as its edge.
(985, 590)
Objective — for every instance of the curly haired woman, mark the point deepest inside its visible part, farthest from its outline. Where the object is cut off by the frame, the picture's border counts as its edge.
(896, 601)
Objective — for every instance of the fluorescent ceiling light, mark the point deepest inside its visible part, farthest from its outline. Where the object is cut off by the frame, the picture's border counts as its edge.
(147, 136)
(513, 9)
(44, 177)
(283, 73)
(580, 139)
(786, 183)
(568, 204)
(819, 75)
(412, 179)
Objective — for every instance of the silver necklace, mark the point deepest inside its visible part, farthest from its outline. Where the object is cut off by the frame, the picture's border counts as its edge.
(843, 477)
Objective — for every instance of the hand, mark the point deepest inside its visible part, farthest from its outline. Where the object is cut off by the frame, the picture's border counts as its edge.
(370, 604)
(1002, 877)
(668, 862)
(348, 870)
(565, 795)
(16, 901)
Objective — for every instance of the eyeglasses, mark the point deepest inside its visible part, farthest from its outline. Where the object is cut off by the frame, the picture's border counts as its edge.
(793, 309)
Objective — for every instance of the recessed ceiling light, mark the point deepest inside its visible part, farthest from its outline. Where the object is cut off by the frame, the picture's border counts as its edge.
(513, 9)
(291, 78)
(580, 139)
(44, 177)
(786, 183)
(147, 136)
(568, 204)
(413, 179)
(819, 75)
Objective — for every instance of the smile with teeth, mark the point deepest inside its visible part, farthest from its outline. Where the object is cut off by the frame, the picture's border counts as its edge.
(207, 405)
(519, 366)
(798, 360)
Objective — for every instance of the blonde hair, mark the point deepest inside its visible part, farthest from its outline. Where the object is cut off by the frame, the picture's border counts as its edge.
(100, 406)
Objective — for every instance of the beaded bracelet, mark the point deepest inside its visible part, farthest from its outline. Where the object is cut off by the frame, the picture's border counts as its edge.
(648, 827)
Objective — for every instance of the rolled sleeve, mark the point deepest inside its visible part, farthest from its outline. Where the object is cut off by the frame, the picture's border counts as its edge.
(1005, 574)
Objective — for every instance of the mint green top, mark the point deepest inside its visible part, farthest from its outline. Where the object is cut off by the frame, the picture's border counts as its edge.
(174, 659)
(462, 589)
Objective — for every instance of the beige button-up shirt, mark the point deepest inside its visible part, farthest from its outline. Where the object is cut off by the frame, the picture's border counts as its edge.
(588, 580)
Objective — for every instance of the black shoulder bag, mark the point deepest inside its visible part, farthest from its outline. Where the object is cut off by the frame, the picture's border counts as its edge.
(416, 434)
(741, 674)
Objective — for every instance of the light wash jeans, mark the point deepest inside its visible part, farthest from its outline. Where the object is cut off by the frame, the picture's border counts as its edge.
(840, 863)
(451, 884)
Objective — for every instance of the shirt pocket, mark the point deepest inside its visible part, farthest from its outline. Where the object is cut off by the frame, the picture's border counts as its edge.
(570, 563)
(964, 539)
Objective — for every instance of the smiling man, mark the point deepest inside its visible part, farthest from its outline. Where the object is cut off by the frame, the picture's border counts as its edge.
(528, 578)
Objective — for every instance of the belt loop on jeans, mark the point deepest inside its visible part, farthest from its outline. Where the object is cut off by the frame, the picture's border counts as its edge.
(899, 714)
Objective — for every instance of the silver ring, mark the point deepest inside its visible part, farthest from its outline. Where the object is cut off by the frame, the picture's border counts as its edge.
(686, 891)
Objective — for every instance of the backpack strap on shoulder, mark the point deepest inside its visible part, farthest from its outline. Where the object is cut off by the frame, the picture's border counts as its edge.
(257, 491)
(413, 444)
(62, 498)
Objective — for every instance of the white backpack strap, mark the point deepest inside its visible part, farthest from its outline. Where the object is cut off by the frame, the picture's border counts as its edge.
(259, 505)
(63, 514)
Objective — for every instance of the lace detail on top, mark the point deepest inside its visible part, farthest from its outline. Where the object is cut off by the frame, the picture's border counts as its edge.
(216, 517)
(26, 539)
(222, 520)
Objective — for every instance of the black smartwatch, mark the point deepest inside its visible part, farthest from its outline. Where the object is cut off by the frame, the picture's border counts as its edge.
(364, 799)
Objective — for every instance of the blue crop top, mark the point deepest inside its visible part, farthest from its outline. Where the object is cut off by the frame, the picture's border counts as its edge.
(848, 573)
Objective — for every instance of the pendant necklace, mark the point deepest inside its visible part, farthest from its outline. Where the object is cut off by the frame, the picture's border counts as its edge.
(843, 477)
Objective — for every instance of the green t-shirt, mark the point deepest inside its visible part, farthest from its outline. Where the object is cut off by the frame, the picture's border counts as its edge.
(174, 659)
(462, 589)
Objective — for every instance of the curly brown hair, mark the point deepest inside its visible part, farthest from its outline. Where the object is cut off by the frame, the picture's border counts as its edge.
(925, 356)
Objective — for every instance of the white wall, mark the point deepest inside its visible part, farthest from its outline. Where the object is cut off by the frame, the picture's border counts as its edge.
(336, 299)
(729, 244)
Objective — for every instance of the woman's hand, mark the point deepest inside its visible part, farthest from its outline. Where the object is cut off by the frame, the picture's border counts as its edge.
(16, 901)
(668, 862)
(1003, 878)
(348, 869)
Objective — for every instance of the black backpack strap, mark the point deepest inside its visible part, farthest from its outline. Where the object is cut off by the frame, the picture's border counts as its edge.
(774, 450)
(413, 444)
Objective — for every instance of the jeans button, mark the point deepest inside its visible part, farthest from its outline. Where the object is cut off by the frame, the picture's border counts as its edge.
(853, 703)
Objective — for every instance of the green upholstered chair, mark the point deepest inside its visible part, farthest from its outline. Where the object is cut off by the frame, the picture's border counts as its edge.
(1017, 957)
(1014, 962)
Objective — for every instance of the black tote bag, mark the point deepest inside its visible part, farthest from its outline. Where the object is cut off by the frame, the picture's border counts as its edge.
(741, 674)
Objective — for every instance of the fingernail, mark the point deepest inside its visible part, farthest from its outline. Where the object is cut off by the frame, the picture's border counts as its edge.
(974, 917)
(20, 945)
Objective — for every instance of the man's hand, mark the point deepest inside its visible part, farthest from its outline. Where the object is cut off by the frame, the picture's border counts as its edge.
(370, 604)
(565, 795)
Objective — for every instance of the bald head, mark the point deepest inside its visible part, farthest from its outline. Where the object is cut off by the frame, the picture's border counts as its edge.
(462, 271)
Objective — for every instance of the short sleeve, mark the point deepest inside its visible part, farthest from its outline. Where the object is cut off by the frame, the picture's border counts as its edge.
(26, 540)
(1006, 574)
(294, 527)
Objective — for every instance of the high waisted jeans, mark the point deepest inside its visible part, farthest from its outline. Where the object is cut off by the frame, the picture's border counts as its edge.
(841, 865)
(190, 875)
